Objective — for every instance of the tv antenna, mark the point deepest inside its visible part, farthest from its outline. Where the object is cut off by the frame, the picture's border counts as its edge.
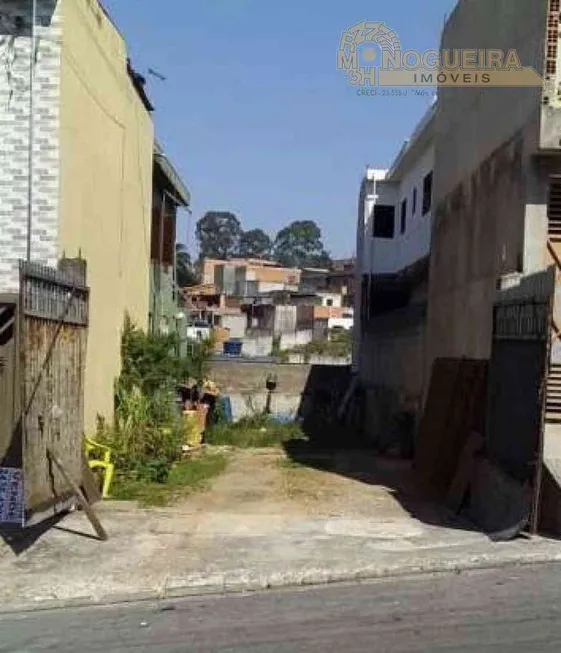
(156, 74)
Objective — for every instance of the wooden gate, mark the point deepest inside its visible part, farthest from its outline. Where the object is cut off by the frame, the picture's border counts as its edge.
(44, 358)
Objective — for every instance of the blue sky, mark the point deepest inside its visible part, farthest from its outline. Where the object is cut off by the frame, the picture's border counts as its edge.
(253, 112)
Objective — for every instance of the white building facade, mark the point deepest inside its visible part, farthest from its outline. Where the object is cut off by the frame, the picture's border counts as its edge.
(393, 247)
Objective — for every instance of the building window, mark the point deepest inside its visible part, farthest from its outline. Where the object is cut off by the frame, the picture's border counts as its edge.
(414, 207)
(329, 302)
(384, 221)
(427, 193)
(403, 216)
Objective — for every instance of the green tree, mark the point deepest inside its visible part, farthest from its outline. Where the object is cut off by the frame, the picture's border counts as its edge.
(255, 243)
(300, 245)
(184, 270)
(218, 234)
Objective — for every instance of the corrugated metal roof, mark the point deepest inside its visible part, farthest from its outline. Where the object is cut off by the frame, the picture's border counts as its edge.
(180, 189)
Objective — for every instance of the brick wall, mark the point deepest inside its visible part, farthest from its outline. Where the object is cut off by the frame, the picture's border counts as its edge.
(15, 47)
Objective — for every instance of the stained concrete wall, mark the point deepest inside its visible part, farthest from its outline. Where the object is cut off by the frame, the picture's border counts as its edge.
(489, 192)
(477, 237)
(392, 369)
(301, 359)
(285, 319)
(310, 391)
(247, 377)
(474, 122)
(235, 323)
(245, 382)
(291, 340)
(256, 346)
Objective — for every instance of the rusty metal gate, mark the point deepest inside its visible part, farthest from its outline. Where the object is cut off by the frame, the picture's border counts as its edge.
(42, 375)
(517, 381)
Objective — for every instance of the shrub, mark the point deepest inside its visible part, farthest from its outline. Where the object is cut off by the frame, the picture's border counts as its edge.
(147, 433)
(150, 361)
(338, 344)
(146, 436)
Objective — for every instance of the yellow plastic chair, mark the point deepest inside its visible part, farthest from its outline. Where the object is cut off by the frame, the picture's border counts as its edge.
(104, 463)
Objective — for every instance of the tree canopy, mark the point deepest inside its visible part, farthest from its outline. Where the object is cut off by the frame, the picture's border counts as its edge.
(255, 243)
(218, 235)
(184, 269)
(299, 245)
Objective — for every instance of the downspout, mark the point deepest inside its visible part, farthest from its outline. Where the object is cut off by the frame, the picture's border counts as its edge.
(161, 258)
(33, 47)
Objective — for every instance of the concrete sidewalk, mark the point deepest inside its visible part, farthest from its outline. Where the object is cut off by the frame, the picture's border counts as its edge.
(218, 542)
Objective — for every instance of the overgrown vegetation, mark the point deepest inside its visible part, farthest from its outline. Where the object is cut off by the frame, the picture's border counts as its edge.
(151, 361)
(147, 434)
(183, 479)
(338, 344)
(258, 431)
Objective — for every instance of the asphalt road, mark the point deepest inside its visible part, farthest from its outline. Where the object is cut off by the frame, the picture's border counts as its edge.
(510, 610)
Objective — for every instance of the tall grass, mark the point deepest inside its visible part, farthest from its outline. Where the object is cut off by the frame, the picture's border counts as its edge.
(258, 431)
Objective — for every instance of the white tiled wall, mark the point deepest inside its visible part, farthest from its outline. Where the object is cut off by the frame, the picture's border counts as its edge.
(15, 46)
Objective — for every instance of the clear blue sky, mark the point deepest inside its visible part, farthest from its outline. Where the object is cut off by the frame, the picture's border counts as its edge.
(254, 114)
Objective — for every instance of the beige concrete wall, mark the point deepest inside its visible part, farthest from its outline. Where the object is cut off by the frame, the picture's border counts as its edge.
(106, 153)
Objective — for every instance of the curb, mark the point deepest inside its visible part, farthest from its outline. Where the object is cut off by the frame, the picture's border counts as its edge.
(205, 585)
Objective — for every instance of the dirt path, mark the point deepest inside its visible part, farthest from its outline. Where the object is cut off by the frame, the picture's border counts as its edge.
(266, 482)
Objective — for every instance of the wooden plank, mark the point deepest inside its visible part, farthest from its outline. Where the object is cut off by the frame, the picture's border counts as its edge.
(454, 408)
(435, 415)
(89, 482)
(462, 478)
(94, 521)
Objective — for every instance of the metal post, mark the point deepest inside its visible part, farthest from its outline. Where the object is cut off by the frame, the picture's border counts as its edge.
(161, 258)
(33, 46)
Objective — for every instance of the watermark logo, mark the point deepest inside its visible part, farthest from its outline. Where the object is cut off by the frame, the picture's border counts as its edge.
(370, 54)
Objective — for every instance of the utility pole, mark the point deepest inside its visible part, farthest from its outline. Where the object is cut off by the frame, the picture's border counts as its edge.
(33, 47)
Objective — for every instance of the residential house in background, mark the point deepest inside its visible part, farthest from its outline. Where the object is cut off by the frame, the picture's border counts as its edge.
(313, 280)
(393, 248)
(249, 277)
(169, 193)
(341, 280)
(92, 167)
(338, 279)
(295, 305)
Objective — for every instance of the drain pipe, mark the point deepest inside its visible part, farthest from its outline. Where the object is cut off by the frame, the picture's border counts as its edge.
(33, 47)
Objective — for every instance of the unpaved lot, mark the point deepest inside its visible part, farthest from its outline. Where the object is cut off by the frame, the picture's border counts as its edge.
(269, 520)
(268, 482)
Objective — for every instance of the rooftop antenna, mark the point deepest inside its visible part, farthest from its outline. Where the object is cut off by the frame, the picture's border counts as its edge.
(157, 75)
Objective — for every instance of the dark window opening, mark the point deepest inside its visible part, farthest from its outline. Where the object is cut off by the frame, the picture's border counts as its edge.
(403, 216)
(384, 221)
(329, 302)
(414, 207)
(427, 193)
